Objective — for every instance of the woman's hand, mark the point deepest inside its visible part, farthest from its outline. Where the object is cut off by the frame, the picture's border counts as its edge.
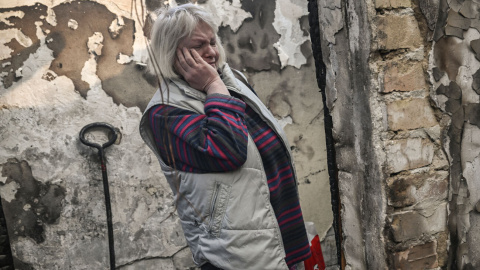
(198, 73)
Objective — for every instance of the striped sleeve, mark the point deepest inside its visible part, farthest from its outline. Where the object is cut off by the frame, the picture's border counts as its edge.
(212, 142)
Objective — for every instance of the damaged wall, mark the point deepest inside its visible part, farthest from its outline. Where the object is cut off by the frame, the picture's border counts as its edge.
(65, 64)
(455, 90)
(402, 86)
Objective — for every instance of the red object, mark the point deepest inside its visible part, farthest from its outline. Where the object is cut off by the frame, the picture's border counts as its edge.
(316, 260)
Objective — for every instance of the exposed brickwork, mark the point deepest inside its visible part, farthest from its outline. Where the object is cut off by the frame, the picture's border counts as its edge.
(410, 114)
(388, 4)
(417, 185)
(409, 154)
(417, 257)
(403, 77)
(411, 189)
(412, 225)
(398, 32)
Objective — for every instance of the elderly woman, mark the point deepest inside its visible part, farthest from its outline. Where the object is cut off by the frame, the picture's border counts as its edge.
(226, 158)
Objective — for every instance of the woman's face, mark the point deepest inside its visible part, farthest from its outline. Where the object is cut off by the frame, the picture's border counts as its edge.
(203, 40)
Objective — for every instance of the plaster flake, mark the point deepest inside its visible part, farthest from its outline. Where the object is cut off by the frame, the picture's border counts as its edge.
(51, 17)
(471, 160)
(4, 17)
(6, 36)
(36, 92)
(19, 73)
(116, 26)
(470, 65)
(286, 23)
(89, 75)
(95, 45)
(8, 191)
(470, 172)
(123, 59)
(39, 32)
(331, 19)
(228, 13)
(72, 24)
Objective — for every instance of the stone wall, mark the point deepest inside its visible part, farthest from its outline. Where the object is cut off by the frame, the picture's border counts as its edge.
(65, 64)
(402, 87)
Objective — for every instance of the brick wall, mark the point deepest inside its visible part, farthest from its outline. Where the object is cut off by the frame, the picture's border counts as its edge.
(416, 168)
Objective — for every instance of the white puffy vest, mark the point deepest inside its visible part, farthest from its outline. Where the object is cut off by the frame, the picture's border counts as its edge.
(227, 217)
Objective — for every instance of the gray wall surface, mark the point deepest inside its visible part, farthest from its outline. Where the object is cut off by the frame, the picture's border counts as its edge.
(65, 64)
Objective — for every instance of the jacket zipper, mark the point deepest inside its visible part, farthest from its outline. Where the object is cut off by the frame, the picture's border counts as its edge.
(212, 207)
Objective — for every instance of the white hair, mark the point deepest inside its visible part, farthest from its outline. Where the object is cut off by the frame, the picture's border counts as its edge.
(171, 26)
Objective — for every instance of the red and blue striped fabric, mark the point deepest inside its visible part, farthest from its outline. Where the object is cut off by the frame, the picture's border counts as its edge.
(217, 141)
(283, 191)
(213, 142)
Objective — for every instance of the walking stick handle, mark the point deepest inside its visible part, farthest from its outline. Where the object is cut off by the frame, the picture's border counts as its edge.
(98, 125)
(101, 153)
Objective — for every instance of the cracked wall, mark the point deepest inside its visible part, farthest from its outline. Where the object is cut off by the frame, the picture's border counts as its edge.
(454, 91)
(65, 64)
(406, 129)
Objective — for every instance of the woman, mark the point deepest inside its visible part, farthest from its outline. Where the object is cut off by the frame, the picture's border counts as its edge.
(224, 155)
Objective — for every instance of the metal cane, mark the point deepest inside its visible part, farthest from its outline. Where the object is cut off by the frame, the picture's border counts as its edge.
(101, 154)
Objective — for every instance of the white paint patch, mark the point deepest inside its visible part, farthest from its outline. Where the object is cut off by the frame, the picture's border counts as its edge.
(72, 24)
(287, 24)
(94, 44)
(281, 54)
(89, 73)
(8, 191)
(6, 15)
(40, 35)
(36, 92)
(19, 73)
(227, 14)
(6, 36)
(285, 121)
(116, 26)
(51, 17)
(123, 59)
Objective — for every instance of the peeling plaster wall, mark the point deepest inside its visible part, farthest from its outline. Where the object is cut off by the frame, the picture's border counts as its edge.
(455, 91)
(65, 64)
(403, 89)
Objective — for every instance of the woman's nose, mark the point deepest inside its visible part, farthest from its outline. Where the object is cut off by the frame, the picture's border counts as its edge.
(209, 51)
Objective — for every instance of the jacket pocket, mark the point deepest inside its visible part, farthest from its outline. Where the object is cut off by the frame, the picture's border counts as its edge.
(218, 205)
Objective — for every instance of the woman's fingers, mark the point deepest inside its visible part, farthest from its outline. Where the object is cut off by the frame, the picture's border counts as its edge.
(179, 67)
(187, 54)
(182, 61)
(198, 59)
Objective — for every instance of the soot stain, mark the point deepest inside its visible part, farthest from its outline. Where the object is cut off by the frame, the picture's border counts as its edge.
(35, 203)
